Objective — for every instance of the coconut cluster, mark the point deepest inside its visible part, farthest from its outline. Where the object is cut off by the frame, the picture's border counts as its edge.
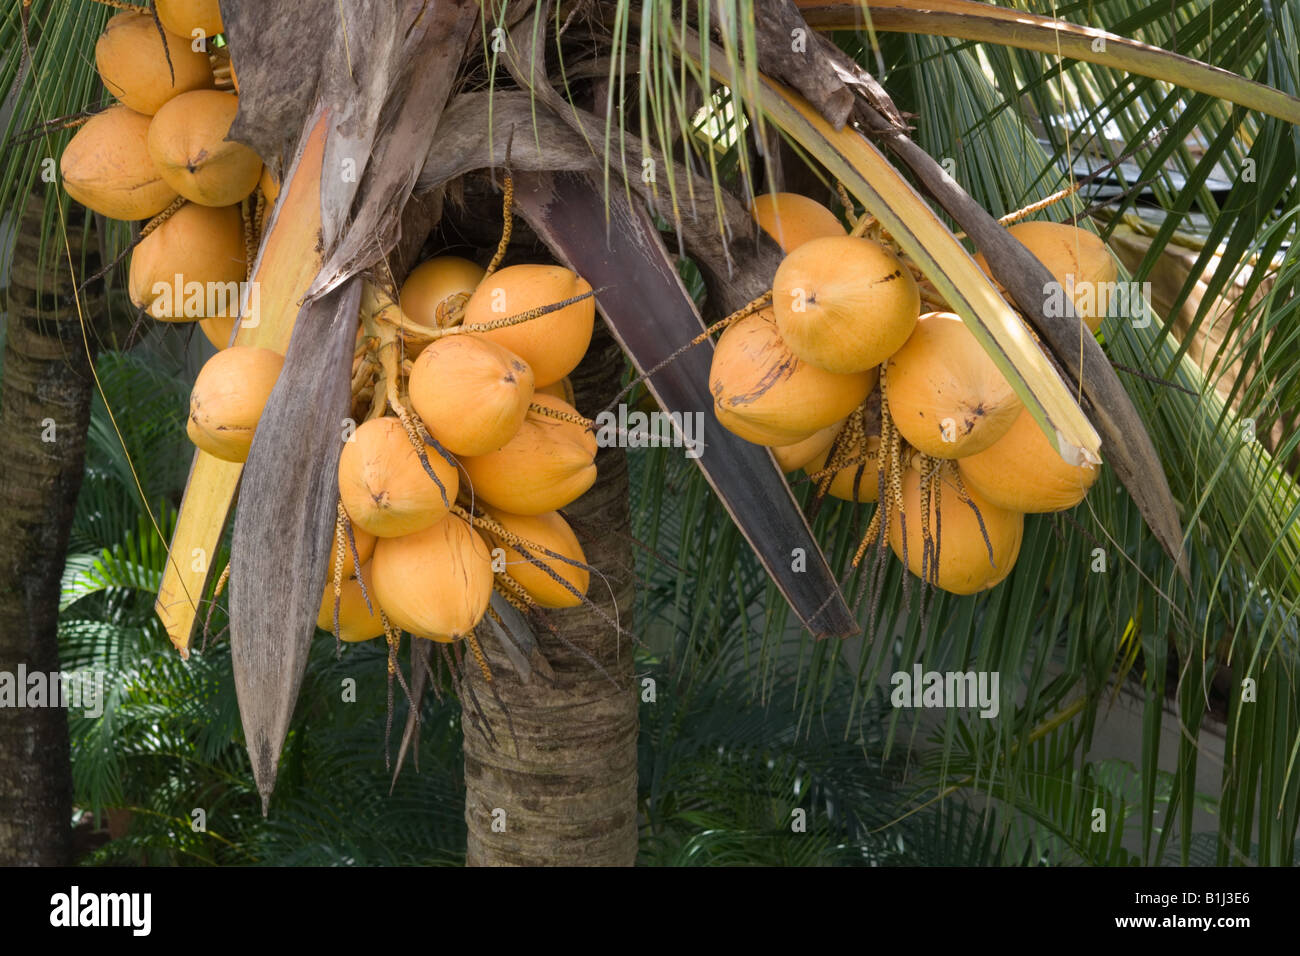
(846, 332)
(161, 153)
(455, 487)
(469, 443)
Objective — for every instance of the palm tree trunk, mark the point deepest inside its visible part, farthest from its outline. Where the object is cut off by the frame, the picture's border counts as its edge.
(44, 412)
(568, 795)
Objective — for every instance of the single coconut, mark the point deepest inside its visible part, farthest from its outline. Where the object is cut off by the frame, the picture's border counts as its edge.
(1079, 262)
(965, 564)
(859, 481)
(106, 167)
(187, 140)
(548, 464)
(552, 344)
(357, 621)
(384, 487)
(471, 393)
(793, 457)
(218, 330)
(192, 265)
(135, 68)
(1021, 471)
(228, 398)
(844, 304)
(183, 17)
(766, 395)
(435, 286)
(792, 219)
(435, 583)
(548, 532)
(946, 396)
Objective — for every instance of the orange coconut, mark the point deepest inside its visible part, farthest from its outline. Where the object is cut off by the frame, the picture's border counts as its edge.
(947, 397)
(844, 304)
(384, 486)
(434, 583)
(547, 464)
(1077, 259)
(563, 390)
(858, 481)
(793, 457)
(434, 286)
(228, 398)
(269, 185)
(1021, 471)
(357, 621)
(792, 219)
(218, 330)
(547, 532)
(471, 393)
(553, 344)
(187, 141)
(766, 395)
(106, 167)
(190, 267)
(183, 17)
(134, 66)
(965, 563)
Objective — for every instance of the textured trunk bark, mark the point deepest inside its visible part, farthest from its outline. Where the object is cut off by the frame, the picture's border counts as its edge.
(44, 411)
(569, 796)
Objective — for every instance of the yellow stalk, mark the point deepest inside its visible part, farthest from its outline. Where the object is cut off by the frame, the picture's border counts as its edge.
(288, 263)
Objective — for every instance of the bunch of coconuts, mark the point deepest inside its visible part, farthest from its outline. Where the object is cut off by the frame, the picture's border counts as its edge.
(469, 445)
(846, 315)
(468, 432)
(160, 153)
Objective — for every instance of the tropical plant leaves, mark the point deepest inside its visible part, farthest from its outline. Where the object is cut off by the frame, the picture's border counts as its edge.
(993, 24)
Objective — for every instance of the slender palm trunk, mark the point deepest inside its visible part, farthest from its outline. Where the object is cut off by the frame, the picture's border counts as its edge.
(44, 411)
(568, 796)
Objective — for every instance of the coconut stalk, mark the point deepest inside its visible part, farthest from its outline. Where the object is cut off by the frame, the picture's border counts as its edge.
(286, 264)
